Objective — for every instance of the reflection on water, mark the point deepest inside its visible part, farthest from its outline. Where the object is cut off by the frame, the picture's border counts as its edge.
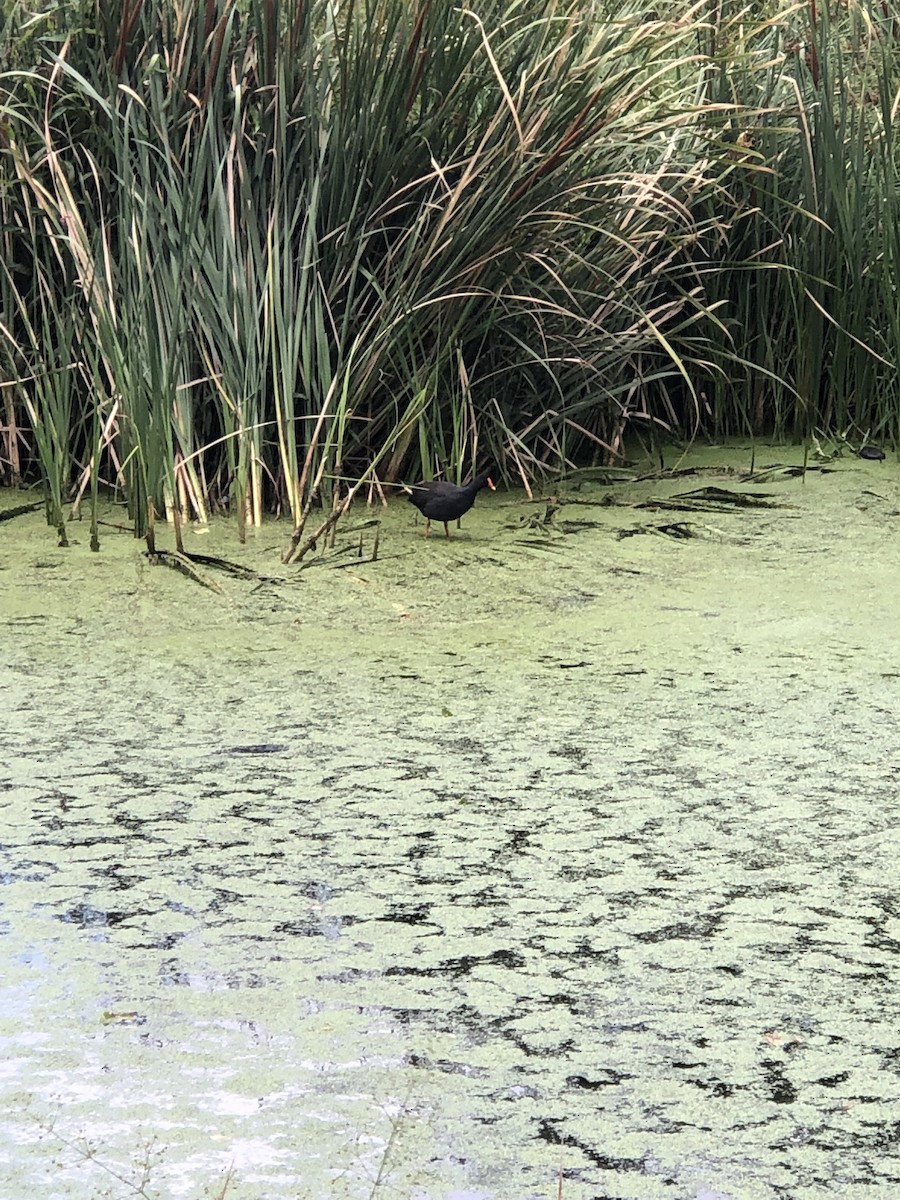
(653, 945)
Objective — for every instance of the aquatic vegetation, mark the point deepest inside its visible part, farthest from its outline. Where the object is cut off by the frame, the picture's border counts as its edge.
(527, 853)
(266, 260)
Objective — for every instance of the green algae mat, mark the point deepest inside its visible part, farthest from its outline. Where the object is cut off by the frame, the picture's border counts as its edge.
(559, 859)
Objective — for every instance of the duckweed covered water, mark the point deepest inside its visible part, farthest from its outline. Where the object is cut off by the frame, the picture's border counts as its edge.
(536, 851)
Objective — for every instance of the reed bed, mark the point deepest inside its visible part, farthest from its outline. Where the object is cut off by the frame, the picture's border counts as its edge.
(267, 257)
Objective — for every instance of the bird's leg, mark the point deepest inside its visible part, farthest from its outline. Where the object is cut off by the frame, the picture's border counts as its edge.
(446, 531)
(427, 526)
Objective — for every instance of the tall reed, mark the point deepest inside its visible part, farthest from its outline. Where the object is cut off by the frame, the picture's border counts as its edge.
(258, 254)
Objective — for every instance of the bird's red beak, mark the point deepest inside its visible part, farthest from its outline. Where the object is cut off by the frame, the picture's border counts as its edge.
(492, 485)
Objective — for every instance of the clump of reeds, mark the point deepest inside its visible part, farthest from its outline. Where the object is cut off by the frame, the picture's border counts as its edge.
(261, 257)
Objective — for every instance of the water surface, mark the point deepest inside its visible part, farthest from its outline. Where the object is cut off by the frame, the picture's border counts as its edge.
(534, 852)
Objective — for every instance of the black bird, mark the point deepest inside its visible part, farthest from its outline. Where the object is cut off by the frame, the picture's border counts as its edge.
(442, 501)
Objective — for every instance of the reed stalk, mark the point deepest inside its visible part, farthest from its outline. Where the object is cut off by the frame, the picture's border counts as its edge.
(256, 255)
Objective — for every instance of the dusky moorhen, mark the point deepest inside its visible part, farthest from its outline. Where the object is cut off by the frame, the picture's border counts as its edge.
(439, 500)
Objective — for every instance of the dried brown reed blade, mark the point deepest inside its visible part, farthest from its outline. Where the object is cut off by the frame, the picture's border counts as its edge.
(230, 568)
(226, 1183)
(181, 563)
(711, 499)
(680, 530)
